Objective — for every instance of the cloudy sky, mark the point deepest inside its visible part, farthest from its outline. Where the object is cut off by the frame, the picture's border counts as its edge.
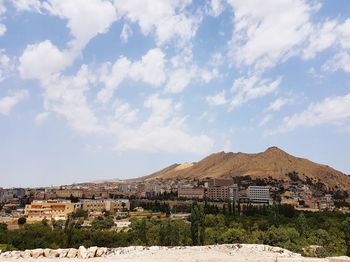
(121, 88)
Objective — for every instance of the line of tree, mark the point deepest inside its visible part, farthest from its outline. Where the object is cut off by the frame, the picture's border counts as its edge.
(275, 225)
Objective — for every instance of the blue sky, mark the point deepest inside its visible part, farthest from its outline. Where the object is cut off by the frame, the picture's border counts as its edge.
(117, 89)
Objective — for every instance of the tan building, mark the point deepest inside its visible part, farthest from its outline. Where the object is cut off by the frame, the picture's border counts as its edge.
(111, 205)
(223, 193)
(40, 210)
(191, 192)
(64, 193)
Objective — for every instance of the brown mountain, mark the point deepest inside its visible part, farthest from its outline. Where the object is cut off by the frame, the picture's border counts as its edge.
(273, 162)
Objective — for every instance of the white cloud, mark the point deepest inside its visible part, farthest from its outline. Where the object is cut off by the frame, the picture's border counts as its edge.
(218, 99)
(34, 62)
(163, 131)
(86, 19)
(150, 69)
(8, 102)
(2, 29)
(340, 61)
(179, 79)
(6, 65)
(269, 33)
(280, 102)
(266, 119)
(41, 117)
(331, 33)
(124, 113)
(323, 37)
(167, 18)
(66, 96)
(332, 110)
(126, 33)
(184, 70)
(246, 89)
(215, 7)
(27, 5)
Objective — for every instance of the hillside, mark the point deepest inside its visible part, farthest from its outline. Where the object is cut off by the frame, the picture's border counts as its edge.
(273, 162)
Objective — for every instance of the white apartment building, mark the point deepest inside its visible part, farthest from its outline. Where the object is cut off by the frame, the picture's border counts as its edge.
(259, 194)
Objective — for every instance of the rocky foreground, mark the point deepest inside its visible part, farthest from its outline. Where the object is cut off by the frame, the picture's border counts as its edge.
(233, 252)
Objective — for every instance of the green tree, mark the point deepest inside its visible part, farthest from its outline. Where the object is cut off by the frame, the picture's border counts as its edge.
(197, 224)
(346, 230)
(301, 225)
(21, 221)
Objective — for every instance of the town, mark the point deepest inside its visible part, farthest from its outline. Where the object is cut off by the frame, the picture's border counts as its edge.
(124, 200)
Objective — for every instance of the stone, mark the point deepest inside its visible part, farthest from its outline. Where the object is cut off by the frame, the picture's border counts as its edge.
(72, 253)
(54, 253)
(91, 252)
(101, 251)
(47, 252)
(36, 253)
(82, 252)
(27, 253)
(154, 248)
(63, 253)
(16, 254)
(6, 254)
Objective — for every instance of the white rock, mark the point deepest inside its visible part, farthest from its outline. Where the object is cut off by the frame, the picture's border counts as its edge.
(6, 254)
(36, 253)
(27, 253)
(91, 252)
(101, 251)
(63, 253)
(72, 253)
(47, 252)
(82, 252)
(154, 248)
(54, 253)
(16, 254)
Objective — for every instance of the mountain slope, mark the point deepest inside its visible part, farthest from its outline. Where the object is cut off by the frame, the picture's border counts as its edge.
(273, 162)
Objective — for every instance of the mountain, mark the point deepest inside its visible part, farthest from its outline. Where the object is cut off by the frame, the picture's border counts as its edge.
(273, 163)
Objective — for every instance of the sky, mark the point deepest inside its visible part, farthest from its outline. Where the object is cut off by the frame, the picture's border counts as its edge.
(104, 89)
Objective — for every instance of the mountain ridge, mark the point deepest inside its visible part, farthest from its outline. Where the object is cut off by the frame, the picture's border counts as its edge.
(273, 162)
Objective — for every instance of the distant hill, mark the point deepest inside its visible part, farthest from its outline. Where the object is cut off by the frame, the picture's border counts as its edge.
(273, 163)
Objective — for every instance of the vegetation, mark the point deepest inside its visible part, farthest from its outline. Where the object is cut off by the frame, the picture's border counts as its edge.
(278, 225)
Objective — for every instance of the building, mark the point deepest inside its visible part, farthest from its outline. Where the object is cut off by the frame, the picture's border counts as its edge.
(259, 194)
(223, 193)
(110, 205)
(191, 192)
(124, 188)
(39, 210)
(66, 193)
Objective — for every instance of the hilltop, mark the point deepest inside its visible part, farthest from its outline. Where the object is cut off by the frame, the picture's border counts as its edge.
(273, 163)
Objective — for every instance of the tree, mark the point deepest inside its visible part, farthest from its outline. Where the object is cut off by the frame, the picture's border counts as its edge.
(301, 225)
(21, 221)
(346, 229)
(197, 224)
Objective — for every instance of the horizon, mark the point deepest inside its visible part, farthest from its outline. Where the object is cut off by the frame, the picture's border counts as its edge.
(109, 89)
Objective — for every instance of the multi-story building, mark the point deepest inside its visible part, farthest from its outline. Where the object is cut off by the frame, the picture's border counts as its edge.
(259, 194)
(223, 193)
(191, 192)
(65, 193)
(110, 205)
(39, 210)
